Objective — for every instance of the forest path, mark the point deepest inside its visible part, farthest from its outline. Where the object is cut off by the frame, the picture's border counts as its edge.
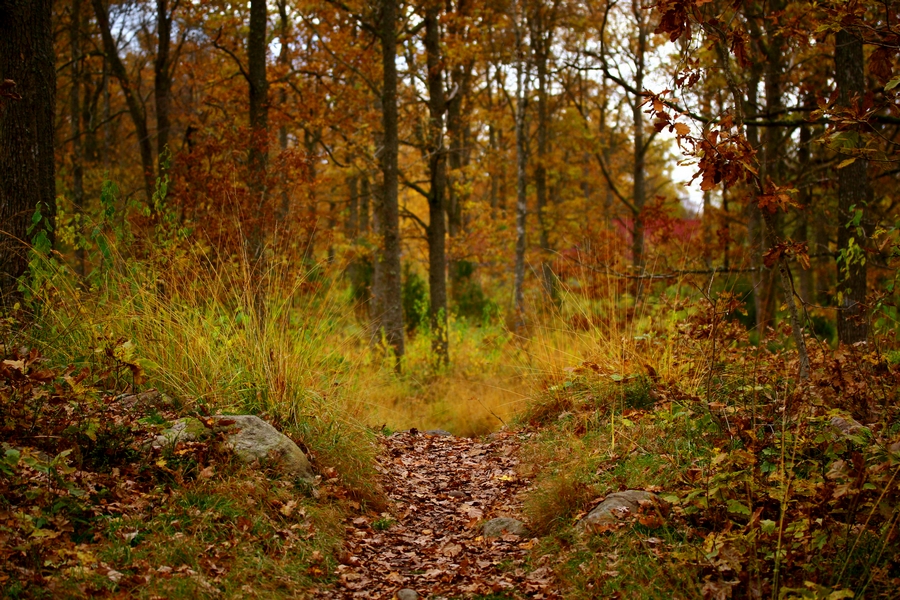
(443, 488)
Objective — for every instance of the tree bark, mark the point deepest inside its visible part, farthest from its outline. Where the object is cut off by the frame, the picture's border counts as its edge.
(853, 196)
(392, 315)
(806, 277)
(76, 111)
(162, 82)
(284, 59)
(521, 164)
(437, 159)
(135, 108)
(26, 132)
(638, 195)
(259, 151)
(458, 152)
(542, 28)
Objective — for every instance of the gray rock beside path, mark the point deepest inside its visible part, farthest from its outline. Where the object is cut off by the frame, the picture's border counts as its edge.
(617, 506)
(499, 526)
(438, 432)
(407, 594)
(250, 439)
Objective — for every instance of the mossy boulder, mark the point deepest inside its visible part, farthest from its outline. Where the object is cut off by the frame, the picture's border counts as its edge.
(251, 439)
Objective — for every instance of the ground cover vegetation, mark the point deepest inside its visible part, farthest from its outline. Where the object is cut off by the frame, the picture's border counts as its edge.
(356, 218)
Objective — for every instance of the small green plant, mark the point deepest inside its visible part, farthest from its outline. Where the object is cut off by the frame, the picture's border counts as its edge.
(415, 300)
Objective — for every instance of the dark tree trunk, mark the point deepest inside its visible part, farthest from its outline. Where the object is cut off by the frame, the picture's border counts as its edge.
(853, 195)
(542, 42)
(807, 282)
(26, 131)
(757, 239)
(135, 107)
(392, 315)
(162, 83)
(284, 58)
(772, 163)
(437, 158)
(457, 132)
(259, 150)
(76, 112)
(311, 144)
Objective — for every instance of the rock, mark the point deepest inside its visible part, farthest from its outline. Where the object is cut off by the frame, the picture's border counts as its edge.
(187, 429)
(499, 526)
(616, 506)
(407, 594)
(249, 437)
(145, 400)
(440, 432)
(253, 439)
(847, 427)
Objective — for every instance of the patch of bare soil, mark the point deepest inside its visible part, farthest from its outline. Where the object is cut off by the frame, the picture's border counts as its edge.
(443, 489)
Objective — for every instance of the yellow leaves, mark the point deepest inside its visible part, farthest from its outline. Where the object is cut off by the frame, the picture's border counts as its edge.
(44, 534)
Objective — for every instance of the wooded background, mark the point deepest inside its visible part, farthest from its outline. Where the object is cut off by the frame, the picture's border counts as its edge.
(519, 152)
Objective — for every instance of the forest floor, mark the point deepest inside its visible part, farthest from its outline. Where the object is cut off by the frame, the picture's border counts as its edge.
(442, 489)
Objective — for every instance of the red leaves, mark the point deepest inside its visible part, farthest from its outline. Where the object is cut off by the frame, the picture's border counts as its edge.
(881, 63)
(787, 249)
(674, 18)
(724, 158)
(777, 197)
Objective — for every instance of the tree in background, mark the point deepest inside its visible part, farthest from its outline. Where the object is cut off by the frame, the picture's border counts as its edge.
(27, 112)
(376, 155)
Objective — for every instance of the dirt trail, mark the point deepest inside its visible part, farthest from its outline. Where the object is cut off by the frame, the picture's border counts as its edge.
(443, 489)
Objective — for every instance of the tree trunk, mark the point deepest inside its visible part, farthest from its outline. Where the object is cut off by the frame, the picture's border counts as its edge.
(26, 132)
(494, 148)
(162, 83)
(638, 191)
(378, 302)
(392, 311)
(853, 196)
(807, 284)
(542, 42)
(757, 239)
(458, 151)
(310, 144)
(259, 151)
(437, 158)
(135, 107)
(521, 163)
(75, 115)
(285, 59)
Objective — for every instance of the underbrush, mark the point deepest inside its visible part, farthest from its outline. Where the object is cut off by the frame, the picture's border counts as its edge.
(769, 487)
(477, 393)
(88, 512)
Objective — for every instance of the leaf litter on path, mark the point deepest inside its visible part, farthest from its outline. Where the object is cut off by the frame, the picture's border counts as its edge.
(443, 489)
